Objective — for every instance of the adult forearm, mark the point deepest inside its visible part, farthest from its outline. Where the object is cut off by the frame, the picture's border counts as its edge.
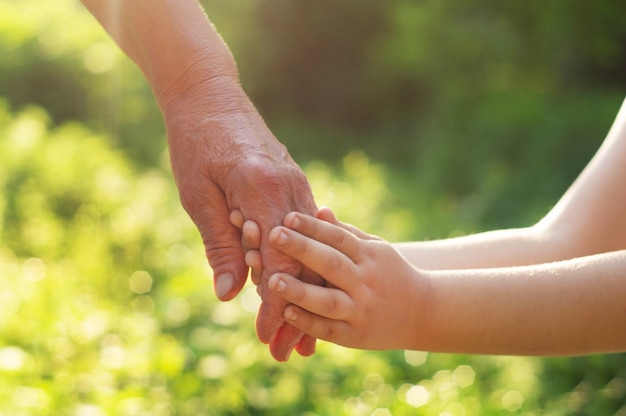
(566, 308)
(175, 46)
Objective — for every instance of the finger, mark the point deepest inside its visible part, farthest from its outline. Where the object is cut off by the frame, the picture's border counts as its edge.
(270, 316)
(330, 234)
(281, 188)
(316, 326)
(324, 213)
(221, 239)
(285, 341)
(236, 218)
(254, 262)
(306, 346)
(322, 259)
(326, 302)
(251, 236)
(250, 241)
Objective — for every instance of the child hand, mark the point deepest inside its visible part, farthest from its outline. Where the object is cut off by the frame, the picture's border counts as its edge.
(378, 298)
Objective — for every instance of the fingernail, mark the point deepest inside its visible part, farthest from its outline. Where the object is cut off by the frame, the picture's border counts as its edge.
(223, 284)
(292, 220)
(281, 238)
(277, 284)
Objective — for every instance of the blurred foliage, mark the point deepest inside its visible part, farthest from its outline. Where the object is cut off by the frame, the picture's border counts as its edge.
(470, 100)
(57, 56)
(412, 119)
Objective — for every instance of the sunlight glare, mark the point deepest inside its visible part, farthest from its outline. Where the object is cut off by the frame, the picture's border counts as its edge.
(512, 400)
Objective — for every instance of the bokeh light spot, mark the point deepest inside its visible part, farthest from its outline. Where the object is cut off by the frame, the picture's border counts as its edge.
(464, 376)
(417, 396)
(140, 282)
(512, 400)
(415, 358)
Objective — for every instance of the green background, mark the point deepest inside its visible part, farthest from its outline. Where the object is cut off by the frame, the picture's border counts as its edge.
(412, 119)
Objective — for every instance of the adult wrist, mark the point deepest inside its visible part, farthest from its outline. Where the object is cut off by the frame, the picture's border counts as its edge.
(201, 84)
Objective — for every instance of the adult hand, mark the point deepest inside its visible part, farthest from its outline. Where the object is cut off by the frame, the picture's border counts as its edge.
(228, 159)
(222, 153)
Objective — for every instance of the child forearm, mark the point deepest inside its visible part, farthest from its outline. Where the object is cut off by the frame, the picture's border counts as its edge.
(588, 219)
(567, 308)
(501, 248)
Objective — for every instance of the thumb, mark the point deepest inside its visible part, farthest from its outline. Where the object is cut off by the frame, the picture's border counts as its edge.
(222, 242)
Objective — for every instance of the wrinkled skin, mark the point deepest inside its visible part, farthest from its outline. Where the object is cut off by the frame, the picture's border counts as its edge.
(232, 161)
(222, 153)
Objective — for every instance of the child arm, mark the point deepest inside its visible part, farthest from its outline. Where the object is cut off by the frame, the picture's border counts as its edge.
(382, 302)
(588, 219)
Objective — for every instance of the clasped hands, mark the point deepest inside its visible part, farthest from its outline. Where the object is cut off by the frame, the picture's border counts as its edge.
(228, 164)
(369, 294)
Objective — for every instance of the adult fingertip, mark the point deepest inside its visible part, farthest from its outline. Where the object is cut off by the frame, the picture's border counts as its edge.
(306, 346)
(268, 322)
(283, 344)
(282, 355)
(326, 214)
(253, 259)
(323, 210)
(252, 233)
(236, 218)
(224, 284)
(291, 314)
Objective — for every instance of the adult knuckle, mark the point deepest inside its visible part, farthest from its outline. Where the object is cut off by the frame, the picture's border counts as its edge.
(263, 172)
(218, 254)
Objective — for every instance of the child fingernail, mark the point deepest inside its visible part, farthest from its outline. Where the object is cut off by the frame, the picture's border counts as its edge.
(277, 284)
(292, 220)
(280, 238)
